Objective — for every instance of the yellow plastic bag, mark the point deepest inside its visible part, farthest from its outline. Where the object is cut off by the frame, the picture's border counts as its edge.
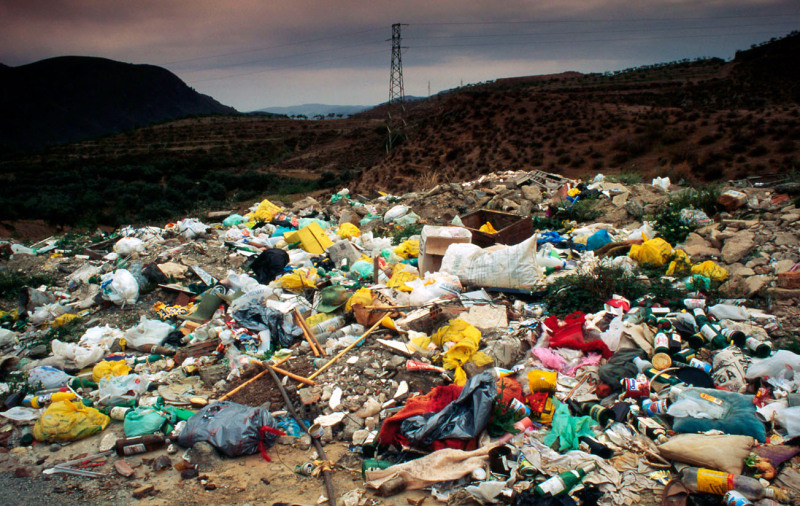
(64, 319)
(487, 228)
(108, 368)
(408, 249)
(299, 280)
(654, 252)
(573, 192)
(711, 270)
(680, 263)
(400, 277)
(362, 296)
(348, 231)
(464, 339)
(68, 421)
(265, 211)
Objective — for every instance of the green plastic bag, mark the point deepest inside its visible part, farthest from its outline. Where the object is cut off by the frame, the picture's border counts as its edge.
(568, 429)
(143, 421)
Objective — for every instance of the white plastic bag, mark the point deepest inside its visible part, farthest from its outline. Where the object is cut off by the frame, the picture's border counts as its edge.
(774, 365)
(613, 334)
(118, 389)
(119, 287)
(21, 414)
(7, 337)
(395, 213)
(79, 355)
(511, 267)
(191, 228)
(729, 312)
(46, 313)
(128, 245)
(147, 333)
(48, 377)
(661, 182)
(100, 336)
(790, 419)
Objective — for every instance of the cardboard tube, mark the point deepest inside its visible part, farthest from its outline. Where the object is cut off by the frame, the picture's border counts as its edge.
(312, 341)
(339, 355)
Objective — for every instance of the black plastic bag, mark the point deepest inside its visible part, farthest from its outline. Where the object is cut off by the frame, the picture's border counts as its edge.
(256, 317)
(620, 366)
(233, 429)
(463, 418)
(269, 265)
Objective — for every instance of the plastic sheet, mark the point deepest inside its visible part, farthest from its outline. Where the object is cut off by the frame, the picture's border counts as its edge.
(233, 429)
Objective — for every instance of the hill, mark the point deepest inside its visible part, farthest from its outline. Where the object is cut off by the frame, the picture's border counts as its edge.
(70, 98)
(701, 121)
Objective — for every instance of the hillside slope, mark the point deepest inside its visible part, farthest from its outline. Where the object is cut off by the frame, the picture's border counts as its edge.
(69, 98)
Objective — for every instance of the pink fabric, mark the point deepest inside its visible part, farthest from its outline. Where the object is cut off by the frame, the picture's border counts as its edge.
(549, 358)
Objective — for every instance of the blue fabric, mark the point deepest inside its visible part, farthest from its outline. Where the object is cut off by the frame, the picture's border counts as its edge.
(598, 240)
(740, 420)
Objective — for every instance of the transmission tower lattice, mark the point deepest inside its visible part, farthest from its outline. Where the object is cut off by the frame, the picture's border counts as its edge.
(396, 93)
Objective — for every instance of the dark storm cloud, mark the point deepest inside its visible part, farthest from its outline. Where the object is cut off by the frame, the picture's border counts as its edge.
(253, 53)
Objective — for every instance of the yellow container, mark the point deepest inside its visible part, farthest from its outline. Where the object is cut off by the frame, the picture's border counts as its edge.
(542, 381)
(312, 239)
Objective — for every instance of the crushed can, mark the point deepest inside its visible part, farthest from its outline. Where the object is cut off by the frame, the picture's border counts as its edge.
(635, 388)
(305, 469)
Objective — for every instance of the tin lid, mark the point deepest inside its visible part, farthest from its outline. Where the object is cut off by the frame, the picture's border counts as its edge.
(661, 361)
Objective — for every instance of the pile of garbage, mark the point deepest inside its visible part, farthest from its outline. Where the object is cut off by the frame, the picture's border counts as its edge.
(422, 333)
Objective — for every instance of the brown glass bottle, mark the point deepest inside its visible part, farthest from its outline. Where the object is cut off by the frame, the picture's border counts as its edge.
(141, 444)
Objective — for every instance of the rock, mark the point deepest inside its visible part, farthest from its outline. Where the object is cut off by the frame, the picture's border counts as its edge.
(790, 280)
(532, 193)
(790, 217)
(371, 423)
(123, 468)
(23, 472)
(285, 440)
(732, 200)
(211, 374)
(486, 317)
(402, 389)
(738, 269)
(737, 246)
(188, 474)
(370, 373)
(754, 284)
(696, 246)
(161, 463)
(55, 447)
(371, 407)
(39, 351)
(108, 441)
(143, 491)
(309, 396)
(756, 262)
(304, 442)
(785, 239)
(351, 425)
(634, 208)
(782, 266)
(204, 456)
(360, 436)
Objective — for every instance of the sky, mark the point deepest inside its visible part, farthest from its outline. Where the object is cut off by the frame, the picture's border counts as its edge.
(252, 54)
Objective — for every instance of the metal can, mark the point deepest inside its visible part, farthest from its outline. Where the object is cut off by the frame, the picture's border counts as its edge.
(525, 469)
(653, 408)
(699, 364)
(519, 408)
(373, 465)
(734, 498)
(635, 388)
(305, 469)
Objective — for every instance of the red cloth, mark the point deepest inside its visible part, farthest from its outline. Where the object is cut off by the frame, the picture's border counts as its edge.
(432, 402)
(510, 388)
(570, 335)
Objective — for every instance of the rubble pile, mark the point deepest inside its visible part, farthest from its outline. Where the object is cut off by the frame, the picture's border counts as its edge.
(519, 339)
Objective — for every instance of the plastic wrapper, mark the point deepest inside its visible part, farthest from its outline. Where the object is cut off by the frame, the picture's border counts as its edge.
(108, 368)
(47, 313)
(231, 428)
(45, 377)
(568, 429)
(654, 252)
(348, 231)
(73, 353)
(191, 228)
(408, 249)
(68, 421)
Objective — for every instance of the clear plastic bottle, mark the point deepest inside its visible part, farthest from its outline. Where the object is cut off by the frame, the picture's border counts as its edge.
(717, 482)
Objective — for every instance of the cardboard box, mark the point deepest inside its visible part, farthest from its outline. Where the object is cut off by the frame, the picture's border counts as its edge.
(312, 238)
(511, 228)
(434, 243)
(343, 250)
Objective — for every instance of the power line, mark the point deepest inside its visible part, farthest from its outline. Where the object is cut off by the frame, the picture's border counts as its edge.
(604, 20)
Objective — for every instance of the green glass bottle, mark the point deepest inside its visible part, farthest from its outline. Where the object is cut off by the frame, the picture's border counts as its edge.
(564, 482)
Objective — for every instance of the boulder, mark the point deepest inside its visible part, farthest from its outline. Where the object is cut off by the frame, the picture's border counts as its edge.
(737, 246)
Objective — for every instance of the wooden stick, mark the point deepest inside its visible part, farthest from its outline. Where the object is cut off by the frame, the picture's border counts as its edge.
(293, 376)
(262, 373)
(339, 355)
(312, 341)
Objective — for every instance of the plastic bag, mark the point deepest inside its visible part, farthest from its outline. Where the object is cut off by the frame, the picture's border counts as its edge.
(233, 429)
(408, 249)
(45, 377)
(461, 341)
(654, 252)
(300, 280)
(128, 245)
(147, 333)
(711, 270)
(233, 220)
(394, 213)
(400, 278)
(409, 219)
(79, 355)
(108, 368)
(774, 365)
(348, 231)
(191, 228)
(362, 296)
(790, 419)
(721, 451)
(21, 414)
(464, 418)
(47, 313)
(68, 421)
(143, 421)
(662, 183)
(568, 429)
(119, 287)
(511, 267)
(115, 390)
(265, 211)
(598, 240)
(487, 228)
